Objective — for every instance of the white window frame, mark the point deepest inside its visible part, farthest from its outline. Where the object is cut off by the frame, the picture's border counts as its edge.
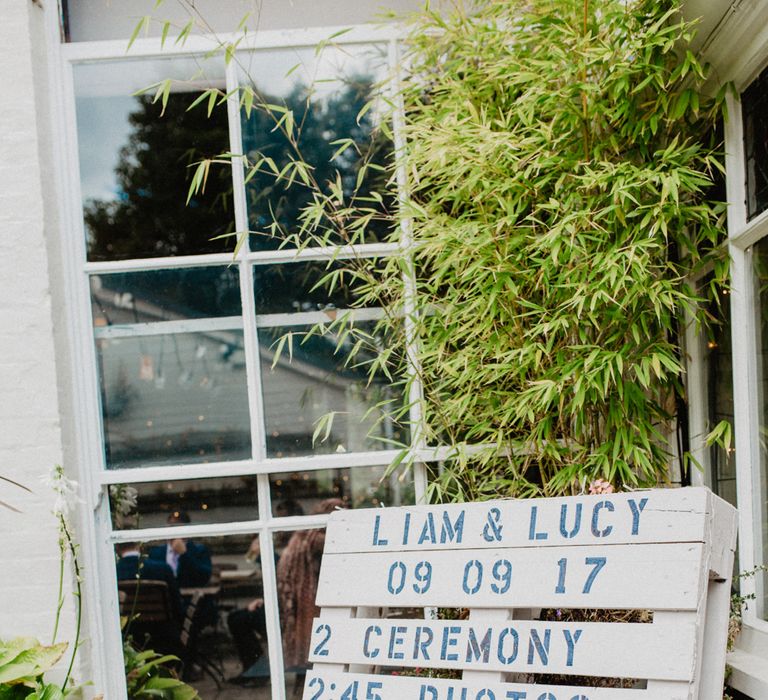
(752, 646)
(98, 537)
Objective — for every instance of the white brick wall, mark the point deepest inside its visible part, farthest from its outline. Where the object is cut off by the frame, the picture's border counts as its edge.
(30, 432)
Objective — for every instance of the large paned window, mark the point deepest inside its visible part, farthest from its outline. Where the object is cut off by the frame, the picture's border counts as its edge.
(202, 457)
(747, 163)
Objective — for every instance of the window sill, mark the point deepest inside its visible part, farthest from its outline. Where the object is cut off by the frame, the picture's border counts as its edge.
(749, 661)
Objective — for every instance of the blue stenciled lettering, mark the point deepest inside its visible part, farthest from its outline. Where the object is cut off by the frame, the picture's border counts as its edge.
(596, 531)
(486, 693)
(418, 645)
(562, 566)
(476, 649)
(428, 531)
(510, 632)
(462, 695)
(423, 575)
(367, 651)
(636, 509)
(598, 563)
(546, 696)
(320, 649)
(392, 586)
(452, 530)
(428, 689)
(493, 528)
(502, 574)
(377, 540)
(532, 534)
(536, 645)
(564, 531)
(449, 641)
(320, 687)
(516, 695)
(395, 640)
(473, 588)
(570, 640)
(406, 527)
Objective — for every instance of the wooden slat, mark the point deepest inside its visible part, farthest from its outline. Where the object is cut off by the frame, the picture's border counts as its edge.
(643, 517)
(658, 577)
(329, 686)
(663, 651)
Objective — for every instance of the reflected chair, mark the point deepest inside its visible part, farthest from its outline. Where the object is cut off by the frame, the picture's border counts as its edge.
(151, 617)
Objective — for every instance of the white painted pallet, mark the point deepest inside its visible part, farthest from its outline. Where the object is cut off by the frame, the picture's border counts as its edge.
(667, 551)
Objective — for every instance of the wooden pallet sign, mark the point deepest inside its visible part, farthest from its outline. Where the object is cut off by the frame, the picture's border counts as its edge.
(669, 552)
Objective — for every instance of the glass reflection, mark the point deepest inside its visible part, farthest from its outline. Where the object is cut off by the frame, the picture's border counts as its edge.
(165, 295)
(357, 487)
(761, 509)
(208, 588)
(135, 158)
(292, 287)
(298, 570)
(325, 92)
(171, 398)
(220, 499)
(316, 383)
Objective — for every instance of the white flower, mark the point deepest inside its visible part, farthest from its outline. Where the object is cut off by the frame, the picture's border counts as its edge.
(65, 490)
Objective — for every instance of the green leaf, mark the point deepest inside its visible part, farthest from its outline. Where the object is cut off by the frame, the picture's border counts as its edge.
(142, 24)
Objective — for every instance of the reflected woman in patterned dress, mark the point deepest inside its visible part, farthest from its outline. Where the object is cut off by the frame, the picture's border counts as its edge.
(298, 570)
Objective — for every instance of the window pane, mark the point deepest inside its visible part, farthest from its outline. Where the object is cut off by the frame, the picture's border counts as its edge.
(325, 92)
(165, 295)
(754, 105)
(298, 568)
(214, 583)
(312, 377)
(298, 493)
(175, 397)
(315, 384)
(719, 362)
(136, 158)
(156, 504)
(761, 527)
(292, 287)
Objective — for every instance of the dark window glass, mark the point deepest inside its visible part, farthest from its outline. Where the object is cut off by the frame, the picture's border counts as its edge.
(153, 504)
(213, 589)
(325, 92)
(299, 493)
(761, 483)
(165, 295)
(720, 389)
(292, 287)
(754, 105)
(137, 159)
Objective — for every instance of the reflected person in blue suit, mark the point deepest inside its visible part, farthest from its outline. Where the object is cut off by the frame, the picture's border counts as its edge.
(189, 560)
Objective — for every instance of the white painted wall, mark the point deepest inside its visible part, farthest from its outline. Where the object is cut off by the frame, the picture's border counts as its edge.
(30, 430)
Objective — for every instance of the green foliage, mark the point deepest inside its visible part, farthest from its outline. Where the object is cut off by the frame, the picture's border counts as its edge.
(559, 170)
(148, 676)
(553, 195)
(23, 661)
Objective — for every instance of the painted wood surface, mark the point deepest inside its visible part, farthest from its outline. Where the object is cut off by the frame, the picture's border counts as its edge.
(667, 551)
(322, 685)
(660, 651)
(658, 516)
(659, 577)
